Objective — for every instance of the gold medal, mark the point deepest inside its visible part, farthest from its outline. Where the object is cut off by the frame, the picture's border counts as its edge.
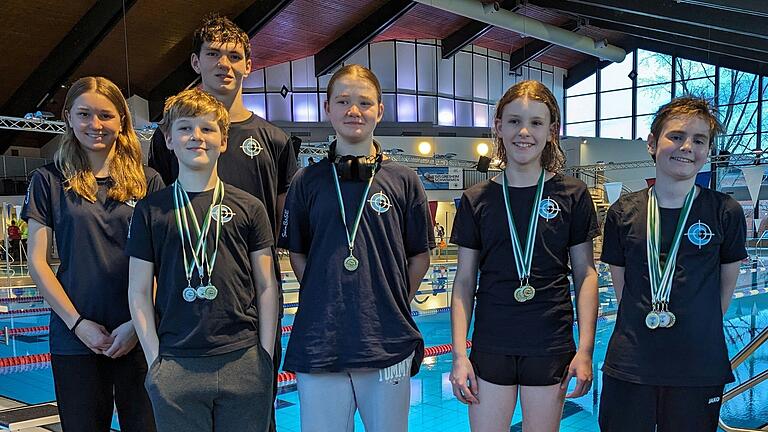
(351, 263)
(652, 320)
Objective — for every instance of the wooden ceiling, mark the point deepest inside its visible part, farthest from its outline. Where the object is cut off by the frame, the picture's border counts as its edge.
(159, 38)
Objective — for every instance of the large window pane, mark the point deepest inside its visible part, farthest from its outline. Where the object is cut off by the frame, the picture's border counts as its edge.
(739, 119)
(617, 103)
(303, 74)
(254, 81)
(463, 75)
(278, 76)
(255, 103)
(737, 86)
(305, 107)
(581, 129)
(649, 99)
(644, 126)
(426, 69)
(702, 88)
(736, 144)
(427, 109)
(496, 69)
(616, 75)
(464, 113)
(687, 69)
(616, 128)
(278, 108)
(383, 64)
(653, 68)
(580, 108)
(390, 108)
(445, 112)
(481, 114)
(480, 77)
(588, 85)
(406, 108)
(445, 77)
(406, 66)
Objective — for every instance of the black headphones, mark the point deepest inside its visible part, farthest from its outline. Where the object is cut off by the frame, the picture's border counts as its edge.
(356, 168)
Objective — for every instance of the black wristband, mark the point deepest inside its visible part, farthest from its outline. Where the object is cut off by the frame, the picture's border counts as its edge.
(77, 323)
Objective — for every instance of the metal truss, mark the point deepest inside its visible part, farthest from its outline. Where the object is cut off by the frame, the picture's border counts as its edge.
(402, 158)
(52, 126)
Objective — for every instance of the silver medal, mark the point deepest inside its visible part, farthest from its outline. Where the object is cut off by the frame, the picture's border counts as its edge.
(189, 294)
(211, 292)
(351, 263)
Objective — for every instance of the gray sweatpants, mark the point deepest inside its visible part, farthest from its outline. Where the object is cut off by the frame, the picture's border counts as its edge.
(227, 392)
(328, 401)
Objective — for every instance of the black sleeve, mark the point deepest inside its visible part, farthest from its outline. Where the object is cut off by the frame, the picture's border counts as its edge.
(294, 230)
(466, 230)
(161, 159)
(154, 181)
(260, 232)
(734, 232)
(613, 246)
(37, 203)
(286, 167)
(418, 235)
(140, 234)
(584, 225)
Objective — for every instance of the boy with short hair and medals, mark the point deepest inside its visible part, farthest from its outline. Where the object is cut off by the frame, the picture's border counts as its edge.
(209, 337)
(674, 250)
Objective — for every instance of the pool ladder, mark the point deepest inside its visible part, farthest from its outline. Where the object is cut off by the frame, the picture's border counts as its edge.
(738, 359)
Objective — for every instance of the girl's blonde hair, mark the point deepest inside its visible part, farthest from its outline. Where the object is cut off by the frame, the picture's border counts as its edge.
(125, 169)
(552, 157)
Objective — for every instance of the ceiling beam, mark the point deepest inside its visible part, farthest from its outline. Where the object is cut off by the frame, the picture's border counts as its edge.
(471, 32)
(646, 22)
(251, 20)
(671, 10)
(752, 7)
(535, 48)
(62, 61)
(583, 70)
(66, 57)
(463, 37)
(359, 35)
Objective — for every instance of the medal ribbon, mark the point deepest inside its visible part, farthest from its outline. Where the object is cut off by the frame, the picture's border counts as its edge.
(183, 207)
(661, 280)
(350, 236)
(523, 258)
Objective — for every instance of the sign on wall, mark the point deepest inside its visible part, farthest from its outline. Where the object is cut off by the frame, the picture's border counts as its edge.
(441, 178)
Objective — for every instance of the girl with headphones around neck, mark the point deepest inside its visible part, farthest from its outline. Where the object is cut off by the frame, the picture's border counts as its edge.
(358, 228)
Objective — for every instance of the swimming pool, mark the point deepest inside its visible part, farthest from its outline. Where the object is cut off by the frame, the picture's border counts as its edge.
(433, 406)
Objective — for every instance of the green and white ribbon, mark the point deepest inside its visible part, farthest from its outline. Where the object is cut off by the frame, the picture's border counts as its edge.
(523, 257)
(183, 211)
(351, 235)
(661, 279)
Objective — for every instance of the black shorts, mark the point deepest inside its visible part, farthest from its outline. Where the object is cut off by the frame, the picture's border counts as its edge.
(507, 370)
(630, 407)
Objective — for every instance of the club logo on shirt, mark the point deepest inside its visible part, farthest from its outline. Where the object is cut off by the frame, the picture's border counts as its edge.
(251, 147)
(131, 202)
(548, 208)
(29, 191)
(222, 211)
(699, 234)
(380, 203)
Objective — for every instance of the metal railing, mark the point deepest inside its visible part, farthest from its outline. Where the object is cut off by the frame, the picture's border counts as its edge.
(738, 359)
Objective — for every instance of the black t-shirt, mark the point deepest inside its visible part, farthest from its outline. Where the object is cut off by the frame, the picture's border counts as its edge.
(543, 325)
(362, 319)
(693, 351)
(259, 160)
(203, 327)
(90, 238)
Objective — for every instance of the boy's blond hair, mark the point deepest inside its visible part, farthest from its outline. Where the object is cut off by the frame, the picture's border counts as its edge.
(193, 103)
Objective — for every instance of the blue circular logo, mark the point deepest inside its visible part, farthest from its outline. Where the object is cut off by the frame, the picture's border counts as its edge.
(699, 234)
(380, 203)
(548, 208)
